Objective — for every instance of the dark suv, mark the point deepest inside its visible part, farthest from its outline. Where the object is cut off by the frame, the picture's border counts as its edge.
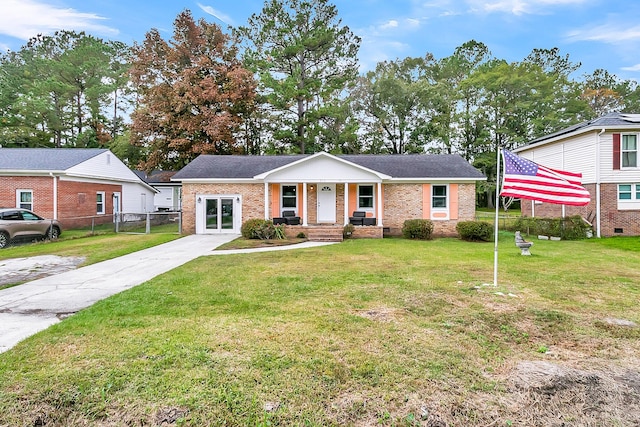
(16, 223)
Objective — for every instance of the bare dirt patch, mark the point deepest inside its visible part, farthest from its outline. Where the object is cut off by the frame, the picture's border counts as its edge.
(554, 394)
(381, 314)
(19, 270)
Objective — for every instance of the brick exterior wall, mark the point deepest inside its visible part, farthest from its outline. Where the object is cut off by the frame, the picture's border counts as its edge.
(41, 186)
(401, 202)
(404, 201)
(610, 217)
(76, 200)
(252, 201)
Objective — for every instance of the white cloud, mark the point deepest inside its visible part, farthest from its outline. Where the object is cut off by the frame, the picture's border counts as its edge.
(518, 7)
(607, 33)
(391, 24)
(216, 13)
(24, 19)
(413, 23)
(632, 68)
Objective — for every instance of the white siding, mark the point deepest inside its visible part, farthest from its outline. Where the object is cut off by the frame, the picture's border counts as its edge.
(136, 198)
(578, 154)
(322, 169)
(167, 198)
(105, 165)
(607, 174)
(574, 155)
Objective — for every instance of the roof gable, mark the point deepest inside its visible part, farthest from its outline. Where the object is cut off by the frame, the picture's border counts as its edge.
(83, 163)
(321, 167)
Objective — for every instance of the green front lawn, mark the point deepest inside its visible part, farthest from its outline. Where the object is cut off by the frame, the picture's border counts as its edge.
(95, 247)
(384, 332)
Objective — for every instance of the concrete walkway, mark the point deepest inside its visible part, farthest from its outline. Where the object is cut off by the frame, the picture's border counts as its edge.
(36, 305)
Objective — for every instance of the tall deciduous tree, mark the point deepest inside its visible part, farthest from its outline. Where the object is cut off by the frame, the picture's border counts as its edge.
(605, 92)
(305, 59)
(391, 100)
(453, 104)
(193, 93)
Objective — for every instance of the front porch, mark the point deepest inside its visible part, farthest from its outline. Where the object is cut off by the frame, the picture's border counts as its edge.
(332, 232)
(324, 204)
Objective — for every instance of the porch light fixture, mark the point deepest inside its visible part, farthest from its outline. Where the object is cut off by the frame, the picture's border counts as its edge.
(199, 199)
(238, 199)
(312, 186)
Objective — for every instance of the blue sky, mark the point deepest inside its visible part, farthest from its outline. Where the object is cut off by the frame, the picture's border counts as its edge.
(597, 33)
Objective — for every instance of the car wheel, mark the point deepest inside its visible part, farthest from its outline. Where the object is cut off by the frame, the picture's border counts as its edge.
(4, 239)
(53, 233)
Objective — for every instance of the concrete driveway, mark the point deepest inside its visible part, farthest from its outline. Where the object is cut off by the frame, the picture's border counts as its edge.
(34, 306)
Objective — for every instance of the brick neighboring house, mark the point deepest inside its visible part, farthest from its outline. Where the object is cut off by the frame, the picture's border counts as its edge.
(72, 185)
(605, 151)
(221, 192)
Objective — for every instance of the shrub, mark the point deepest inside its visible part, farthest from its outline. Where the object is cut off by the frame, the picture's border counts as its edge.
(417, 229)
(568, 228)
(248, 228)
(474, 231)
(256, 228)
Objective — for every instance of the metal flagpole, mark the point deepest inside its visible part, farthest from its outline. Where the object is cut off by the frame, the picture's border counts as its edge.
(495, 231)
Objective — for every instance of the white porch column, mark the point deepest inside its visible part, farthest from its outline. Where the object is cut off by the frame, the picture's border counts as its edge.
(379, 204)
(305, 204)
(346, 203)
(266, 200)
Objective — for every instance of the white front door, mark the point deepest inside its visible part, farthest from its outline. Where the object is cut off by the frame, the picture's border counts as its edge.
(327, 203)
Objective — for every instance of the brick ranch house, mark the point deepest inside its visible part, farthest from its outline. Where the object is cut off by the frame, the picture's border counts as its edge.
(605, 151)
(72, 185)
(324, 191)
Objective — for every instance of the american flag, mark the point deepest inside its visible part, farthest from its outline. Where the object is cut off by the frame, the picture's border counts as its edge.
(525, 179)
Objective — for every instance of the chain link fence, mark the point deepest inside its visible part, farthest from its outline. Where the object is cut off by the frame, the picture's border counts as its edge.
(128, 222)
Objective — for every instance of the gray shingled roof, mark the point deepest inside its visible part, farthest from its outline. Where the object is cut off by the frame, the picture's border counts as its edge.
(620, 120)
(417, 166)
(45, 159)
(396, 166)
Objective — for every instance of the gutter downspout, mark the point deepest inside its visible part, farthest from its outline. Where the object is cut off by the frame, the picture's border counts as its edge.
(564, 207)
(598, 182)
(55, 195)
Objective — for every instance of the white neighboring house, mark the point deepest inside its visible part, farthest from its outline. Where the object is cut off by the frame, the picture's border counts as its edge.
(606, 151)
(169, 192)
(71, 184)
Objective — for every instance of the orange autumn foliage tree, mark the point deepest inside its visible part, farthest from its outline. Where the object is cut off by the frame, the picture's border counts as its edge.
(193, 94)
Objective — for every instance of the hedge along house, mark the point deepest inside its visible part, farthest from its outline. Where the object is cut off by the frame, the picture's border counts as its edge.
(606, 151)
(324, 191)
(74, 185)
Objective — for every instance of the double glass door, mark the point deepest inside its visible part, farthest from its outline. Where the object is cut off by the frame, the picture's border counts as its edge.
(219, 214)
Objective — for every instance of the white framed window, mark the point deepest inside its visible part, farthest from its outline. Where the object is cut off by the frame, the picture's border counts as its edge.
(629, 192)
(629, 151)
(24, 199)
(100, 207)
(439, 196)
(365, 197)
(289, 197)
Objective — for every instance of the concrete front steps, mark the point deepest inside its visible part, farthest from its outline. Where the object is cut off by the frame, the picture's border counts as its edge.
(325, 233)
(333, 233)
